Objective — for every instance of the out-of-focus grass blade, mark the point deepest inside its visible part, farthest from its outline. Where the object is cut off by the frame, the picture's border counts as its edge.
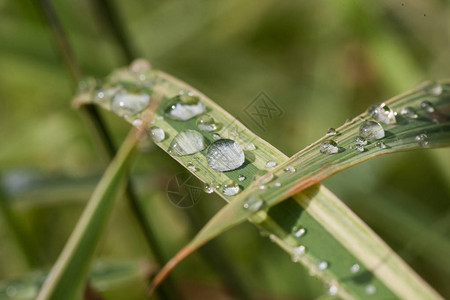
(324, 251)
(106, 278)
(69, 272)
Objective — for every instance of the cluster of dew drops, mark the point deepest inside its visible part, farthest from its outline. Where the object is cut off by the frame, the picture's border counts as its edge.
(372, 130)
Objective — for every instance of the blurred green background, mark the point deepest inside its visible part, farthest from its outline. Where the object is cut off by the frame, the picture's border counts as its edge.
(320, 61)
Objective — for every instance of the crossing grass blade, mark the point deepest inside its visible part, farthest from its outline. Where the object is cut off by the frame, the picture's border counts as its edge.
(335, 234)
(69, 272)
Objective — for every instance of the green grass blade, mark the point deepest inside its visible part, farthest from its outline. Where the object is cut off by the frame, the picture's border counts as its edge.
(279, 221)
(69, 273)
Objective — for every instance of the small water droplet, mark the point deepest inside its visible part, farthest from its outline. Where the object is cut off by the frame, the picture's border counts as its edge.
(382, 113)
(300, 232)
(371, 130)
(359, 148)
(225, 155)
(297, 252)
(105, 95)
(262, 187)
(331, 131)
(271, 164)
(263, 177)
(231, 188)
(370, 289)
(241, 177)
(216, 136)
(139, 65)
(322, 265)
(359, 140)
(137, 122)
(431, 87)
(184, 107)
(157, 134)
(332, 290)
(409, 112)
(289, 169)
(354, 268)
(427, 106)
(329, 147)
(422, 139)
(253, 203)
(187, 142)
(191, 167)
(277, 184)
(126, 104)
(249, 146)
(208, 188)
(381, 144)
(206, 123)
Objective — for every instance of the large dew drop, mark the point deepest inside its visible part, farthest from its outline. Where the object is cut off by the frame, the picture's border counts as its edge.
(187, 142)
(329, 147)
(126, 104)
(371, 130)
(382, 113)
(184, 107)
(225, 155)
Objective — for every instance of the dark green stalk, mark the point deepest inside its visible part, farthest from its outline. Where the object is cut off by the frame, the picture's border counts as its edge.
(17, 231)
(112, 19)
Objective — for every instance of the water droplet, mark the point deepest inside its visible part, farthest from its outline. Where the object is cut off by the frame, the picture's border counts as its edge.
(289, 169)
(191, 167)
(431, 87)
(332, 290)
(371, 130)
(225, 155)
(300, 232)
(187, 142)
(216, 136)
(11, 291)
(329, 147)
(208, 188)
(241, 177)
(354, 268)
(370, 289)
(231, 188)
(249, 146)
(277, 184)
(184, 107)
(359, 148)
(381, 145)
(206, 123)
(422, 139)
(262, 186)
(106, 94)
(137, 122)
(263, 177)
(253, 203)
(157, 133)
(139, 65)
(322, 265)
(427, 106)
(359, 140)
(271, 164)
(331, 131)
(382, 113)
(409, 112)
(297, 252)
(126, 104)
